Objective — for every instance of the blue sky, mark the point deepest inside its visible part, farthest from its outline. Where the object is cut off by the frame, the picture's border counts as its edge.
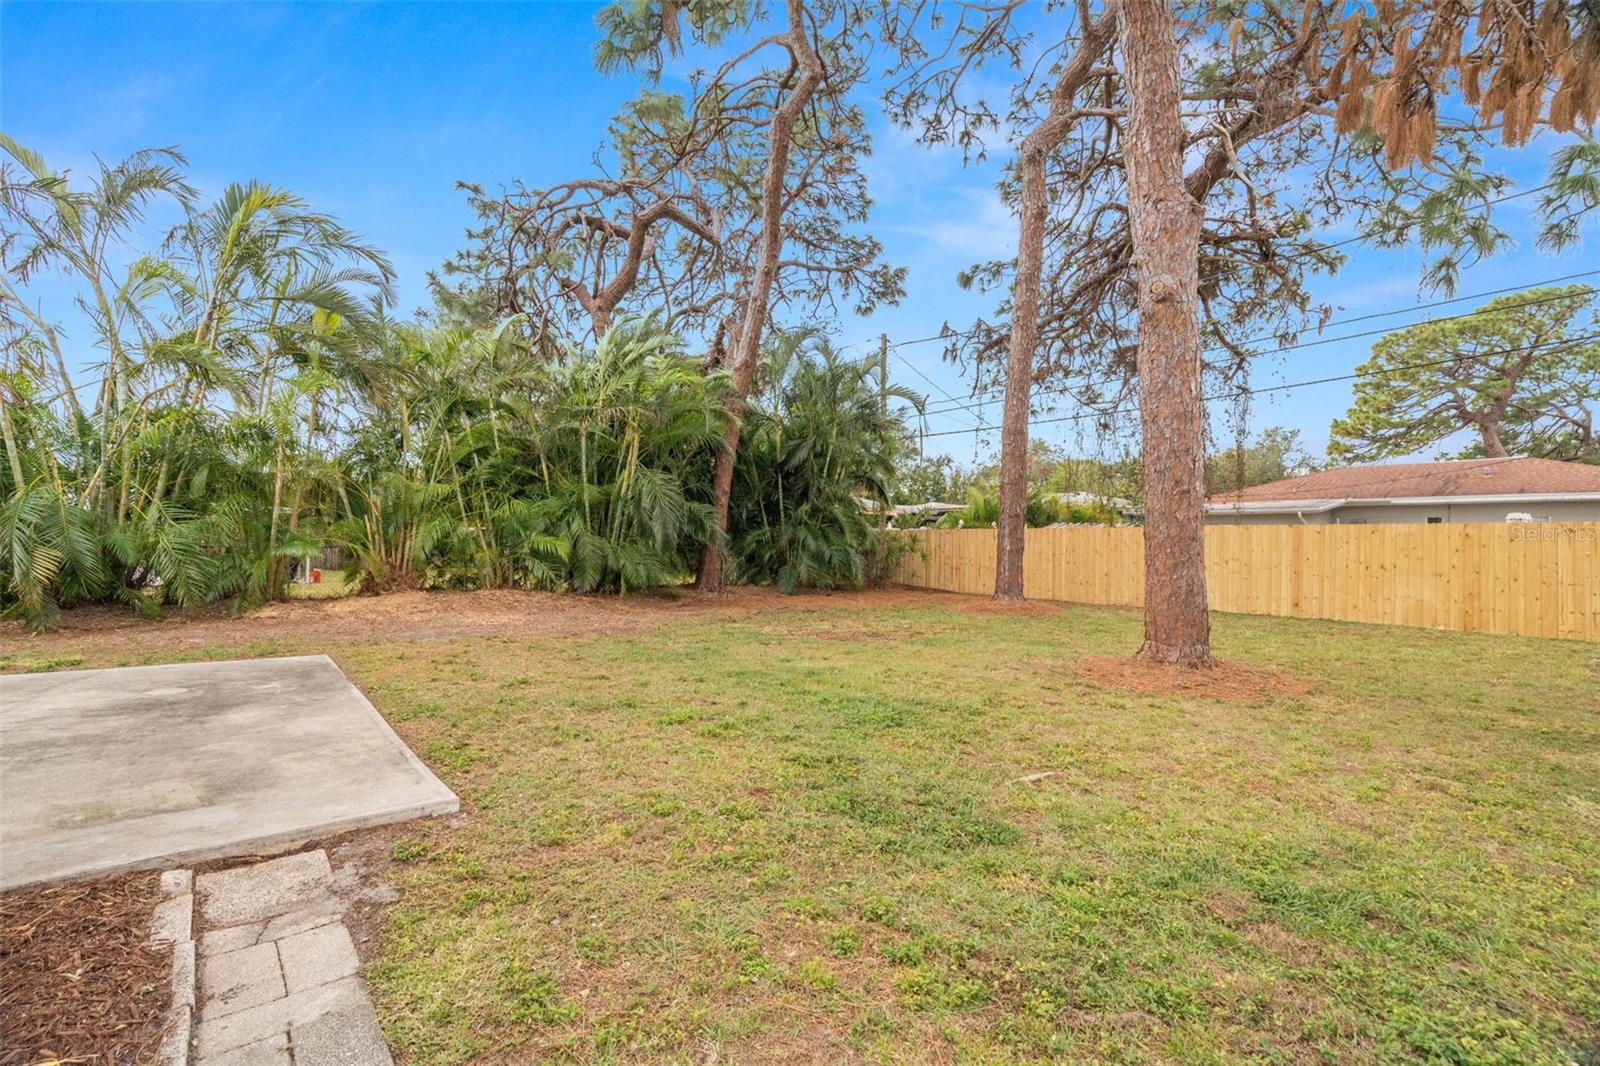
(373, 110)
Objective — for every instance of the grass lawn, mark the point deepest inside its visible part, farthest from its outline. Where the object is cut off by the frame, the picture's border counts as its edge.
(796, 834)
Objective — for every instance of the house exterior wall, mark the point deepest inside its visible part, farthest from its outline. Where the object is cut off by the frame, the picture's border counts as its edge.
(1246, 518)
(1374, 514)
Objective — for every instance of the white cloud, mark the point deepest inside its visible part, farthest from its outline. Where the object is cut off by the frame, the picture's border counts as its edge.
(974, 222)
(1383, 292)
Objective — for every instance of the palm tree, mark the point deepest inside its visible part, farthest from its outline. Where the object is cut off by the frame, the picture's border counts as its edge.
(818, 450)
(58, 225)
(229, 362)
(258, 403)
(618, 430)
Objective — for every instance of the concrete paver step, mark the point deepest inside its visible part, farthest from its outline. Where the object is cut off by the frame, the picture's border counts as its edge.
(279, 982)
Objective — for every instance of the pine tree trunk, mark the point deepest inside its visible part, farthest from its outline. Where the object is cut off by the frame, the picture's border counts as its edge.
(747, 346)
(1011, 530)
(1493, 446)
(1165, 223)
(710, 577)
(1012, 527)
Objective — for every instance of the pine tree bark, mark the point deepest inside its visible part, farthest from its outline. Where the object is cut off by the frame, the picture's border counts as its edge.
(747, 345)
(1165, 225)
(1494, 446)
(1012, 527)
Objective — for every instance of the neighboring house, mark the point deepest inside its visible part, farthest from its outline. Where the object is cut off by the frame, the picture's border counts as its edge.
(912, 515)
(1126, 511)
(1460, 490)
(1094, 499)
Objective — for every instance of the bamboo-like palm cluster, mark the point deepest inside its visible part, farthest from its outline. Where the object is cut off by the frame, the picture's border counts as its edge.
(252, 406)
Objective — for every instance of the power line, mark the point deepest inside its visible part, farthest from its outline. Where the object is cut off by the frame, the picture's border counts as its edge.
(1440, 303)
(1081, 415)
(968, 406)
(912, 366)
(960, 405)
(1368, 317)
(921, 436)
(1316, 248)
(1386, 314)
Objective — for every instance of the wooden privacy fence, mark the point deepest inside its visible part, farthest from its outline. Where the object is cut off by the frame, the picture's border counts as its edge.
(1532, 579)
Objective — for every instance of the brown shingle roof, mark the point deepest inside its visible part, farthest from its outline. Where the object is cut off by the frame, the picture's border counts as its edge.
(1458, 477)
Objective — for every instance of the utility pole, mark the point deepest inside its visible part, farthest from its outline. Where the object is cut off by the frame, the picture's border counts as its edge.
(883, 373)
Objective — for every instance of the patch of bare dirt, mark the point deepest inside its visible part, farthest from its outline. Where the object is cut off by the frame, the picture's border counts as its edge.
(361, 862)
(1235, 682)
(397, 615)
(78, 980)
(416, 616)
(1018, 608)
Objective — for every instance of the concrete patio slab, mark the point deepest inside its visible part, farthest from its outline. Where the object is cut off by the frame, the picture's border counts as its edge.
(104, 771)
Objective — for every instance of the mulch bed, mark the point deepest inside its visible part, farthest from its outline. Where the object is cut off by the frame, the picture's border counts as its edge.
(79, 983)
(1234, 682)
